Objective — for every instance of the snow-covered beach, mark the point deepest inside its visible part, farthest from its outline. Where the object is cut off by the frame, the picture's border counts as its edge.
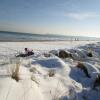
(45, 76)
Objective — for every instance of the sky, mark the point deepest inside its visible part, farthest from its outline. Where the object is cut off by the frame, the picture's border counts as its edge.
(64, 17)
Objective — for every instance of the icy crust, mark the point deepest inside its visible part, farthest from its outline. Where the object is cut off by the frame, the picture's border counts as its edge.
(46, 76)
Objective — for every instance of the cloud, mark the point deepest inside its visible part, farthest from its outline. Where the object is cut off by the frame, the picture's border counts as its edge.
(82, 16)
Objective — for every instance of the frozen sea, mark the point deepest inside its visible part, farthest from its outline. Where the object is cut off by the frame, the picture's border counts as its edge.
(25, 37)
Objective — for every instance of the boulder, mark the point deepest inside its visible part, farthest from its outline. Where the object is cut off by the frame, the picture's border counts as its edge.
(63, 54)
(89, 54)
(83, 68)
(97, 81)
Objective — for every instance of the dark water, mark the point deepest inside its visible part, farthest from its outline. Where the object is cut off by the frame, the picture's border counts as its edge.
(14, 36)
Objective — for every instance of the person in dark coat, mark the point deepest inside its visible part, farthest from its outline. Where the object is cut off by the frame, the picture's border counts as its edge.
(27, 53)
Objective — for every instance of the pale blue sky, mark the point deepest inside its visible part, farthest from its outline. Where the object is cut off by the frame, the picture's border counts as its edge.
(68, 17)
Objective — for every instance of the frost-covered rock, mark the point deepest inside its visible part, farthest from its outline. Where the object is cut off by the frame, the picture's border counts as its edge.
(92, 70)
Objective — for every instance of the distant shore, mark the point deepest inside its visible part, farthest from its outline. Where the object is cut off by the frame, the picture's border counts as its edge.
(43, 40)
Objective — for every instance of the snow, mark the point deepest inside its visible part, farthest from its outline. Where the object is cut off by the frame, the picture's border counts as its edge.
(67, 82)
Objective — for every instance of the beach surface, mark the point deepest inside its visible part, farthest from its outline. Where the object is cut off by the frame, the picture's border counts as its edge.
(50, 74)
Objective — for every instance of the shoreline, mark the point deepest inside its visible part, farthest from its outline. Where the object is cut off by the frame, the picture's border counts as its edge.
(46, 40)
(44, 45)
